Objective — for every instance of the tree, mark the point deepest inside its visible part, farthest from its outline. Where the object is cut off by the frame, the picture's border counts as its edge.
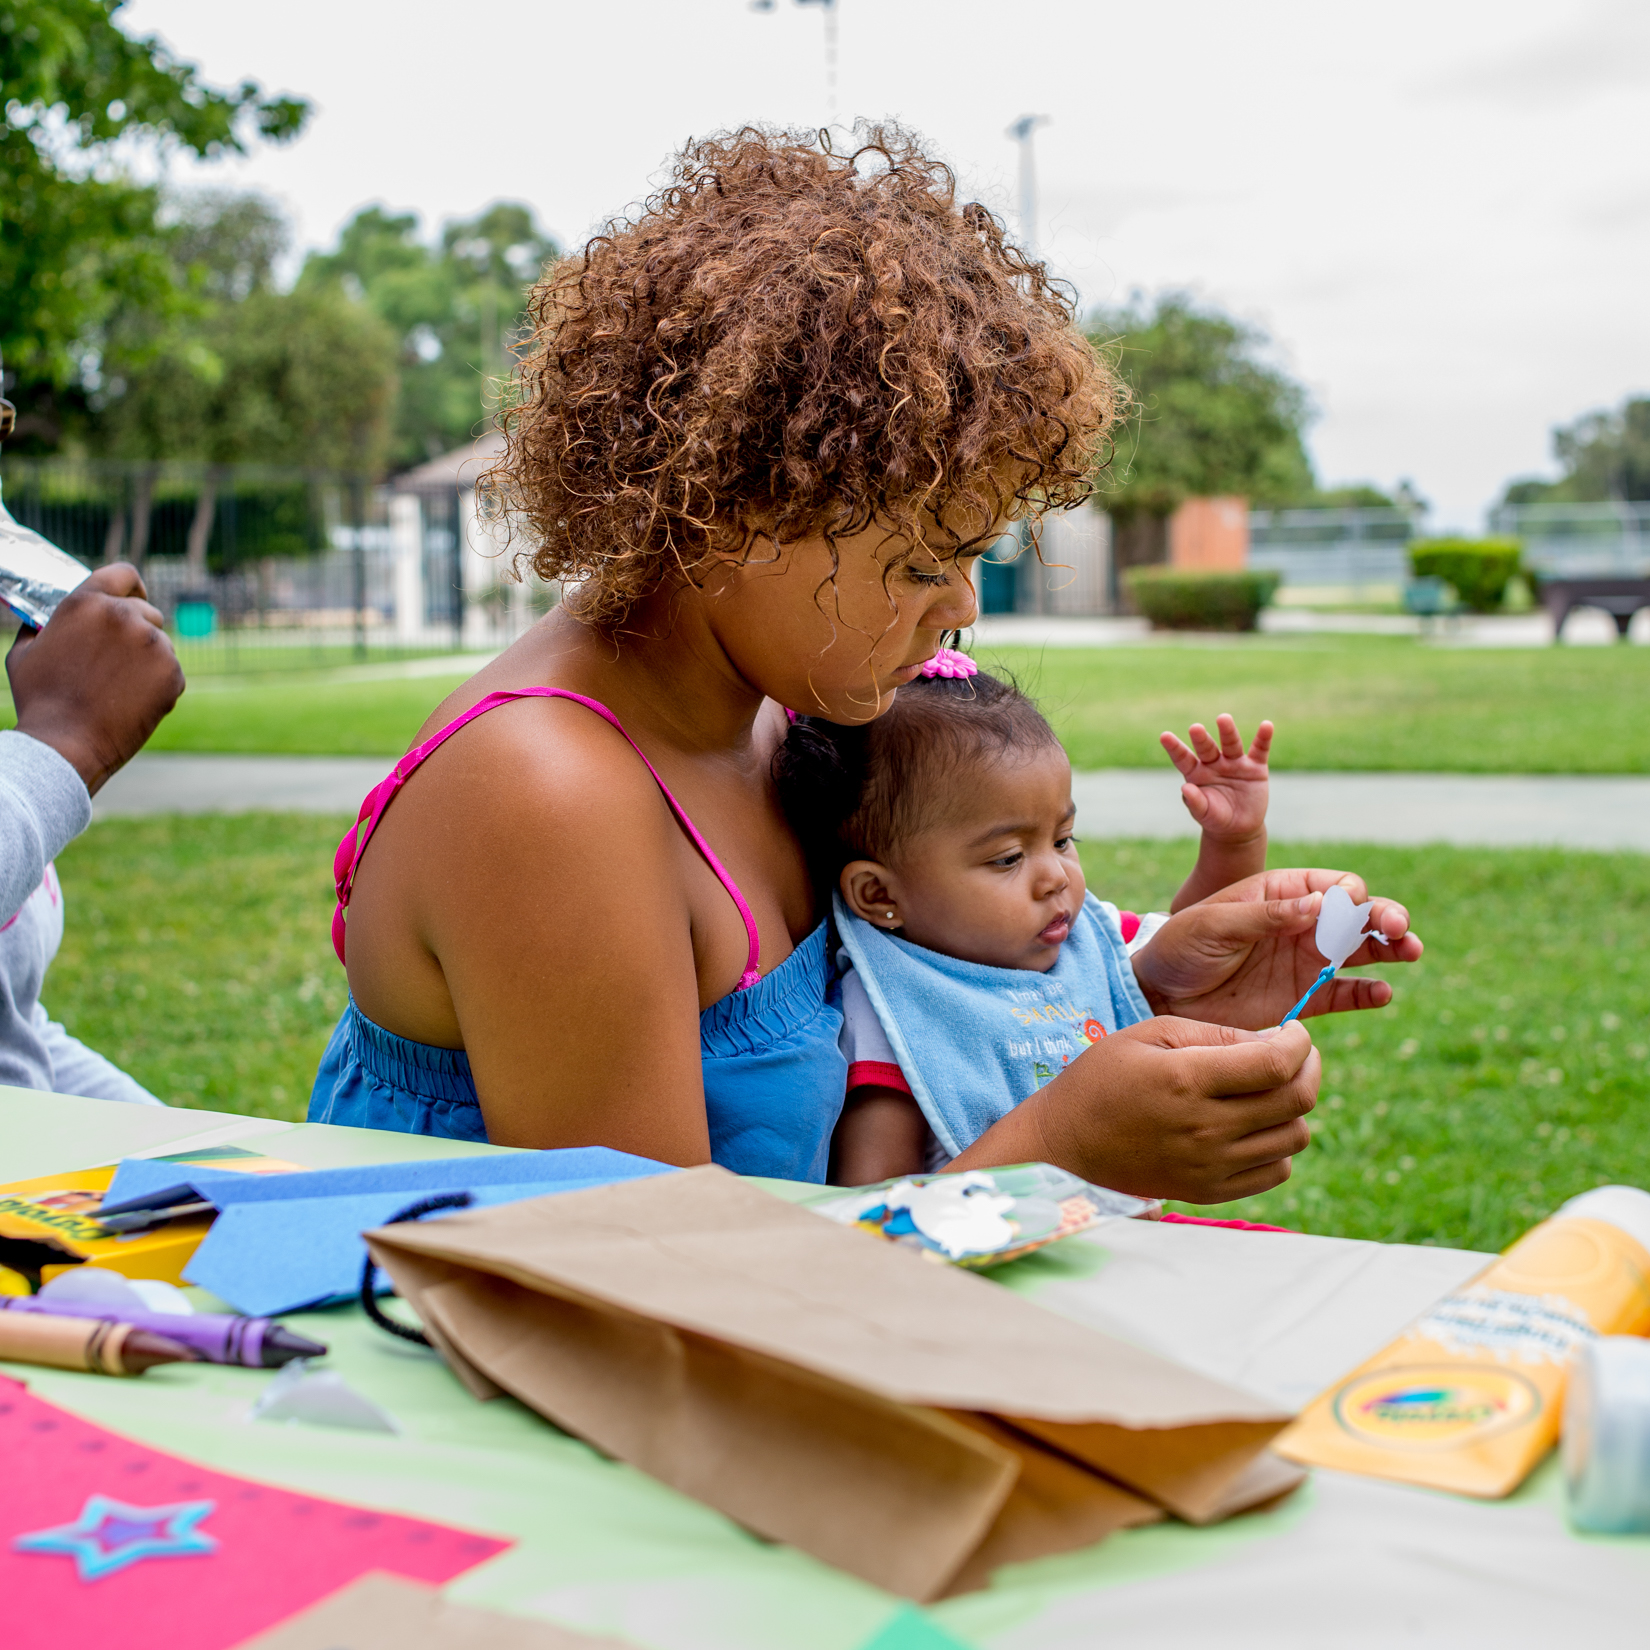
(1210, 415)
(1605, 455)
(454, 308)
(235, 371)
(78, 237)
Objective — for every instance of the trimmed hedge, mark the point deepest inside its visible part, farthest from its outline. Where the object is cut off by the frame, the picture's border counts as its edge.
(1176, 598)
(1479, 569)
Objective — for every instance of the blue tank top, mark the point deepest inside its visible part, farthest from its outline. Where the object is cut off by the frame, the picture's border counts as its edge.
(774, 1075)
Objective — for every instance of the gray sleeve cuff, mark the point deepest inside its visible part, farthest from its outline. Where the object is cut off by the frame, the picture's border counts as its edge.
(44, 806)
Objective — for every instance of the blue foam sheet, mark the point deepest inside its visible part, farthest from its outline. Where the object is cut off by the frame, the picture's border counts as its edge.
(143, 1182)
(277, 1255)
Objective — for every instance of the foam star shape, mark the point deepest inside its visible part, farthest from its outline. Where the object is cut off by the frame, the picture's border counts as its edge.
(110, 1535)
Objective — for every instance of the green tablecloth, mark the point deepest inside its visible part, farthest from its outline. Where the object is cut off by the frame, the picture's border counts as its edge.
(1345, 1562)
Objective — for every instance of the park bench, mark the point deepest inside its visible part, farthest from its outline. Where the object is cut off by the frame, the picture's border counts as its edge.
(1620, 598)
(1433, 601)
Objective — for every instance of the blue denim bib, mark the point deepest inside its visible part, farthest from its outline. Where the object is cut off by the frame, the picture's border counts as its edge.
(974, 1041)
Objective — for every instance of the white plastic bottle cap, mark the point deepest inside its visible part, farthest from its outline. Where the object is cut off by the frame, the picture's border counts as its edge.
(1607, 1435)
(1625, 1207)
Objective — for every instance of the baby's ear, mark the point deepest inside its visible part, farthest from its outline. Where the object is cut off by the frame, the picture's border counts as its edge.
(868, 891)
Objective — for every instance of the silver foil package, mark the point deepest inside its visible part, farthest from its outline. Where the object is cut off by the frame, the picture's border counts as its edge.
(34, 574)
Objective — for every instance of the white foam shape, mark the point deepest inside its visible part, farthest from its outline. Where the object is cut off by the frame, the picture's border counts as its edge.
(92, 1286)
(162, 1297)
(321, 1398)
(1341, 925)
(963, 1214)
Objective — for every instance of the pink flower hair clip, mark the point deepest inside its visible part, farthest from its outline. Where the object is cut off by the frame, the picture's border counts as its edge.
(948, 662)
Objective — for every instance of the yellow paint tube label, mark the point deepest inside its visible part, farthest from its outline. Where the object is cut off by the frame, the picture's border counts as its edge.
(1470, 1397)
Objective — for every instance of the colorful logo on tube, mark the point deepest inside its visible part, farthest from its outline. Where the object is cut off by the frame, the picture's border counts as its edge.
(1434, 1406)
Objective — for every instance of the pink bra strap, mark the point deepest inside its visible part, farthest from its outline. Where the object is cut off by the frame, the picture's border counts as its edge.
(379, 798)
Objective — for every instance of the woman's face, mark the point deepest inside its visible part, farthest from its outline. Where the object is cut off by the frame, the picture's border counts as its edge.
(835, 637)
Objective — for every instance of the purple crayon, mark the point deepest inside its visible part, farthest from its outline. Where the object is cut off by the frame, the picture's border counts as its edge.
(214, 1337)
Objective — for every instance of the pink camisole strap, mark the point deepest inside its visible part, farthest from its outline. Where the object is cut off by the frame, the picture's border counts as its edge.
(348, 858)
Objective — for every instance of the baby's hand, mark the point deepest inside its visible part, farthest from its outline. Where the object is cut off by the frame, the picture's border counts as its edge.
(1225, 789)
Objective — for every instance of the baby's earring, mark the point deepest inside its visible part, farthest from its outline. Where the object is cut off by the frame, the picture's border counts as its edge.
(890, 916)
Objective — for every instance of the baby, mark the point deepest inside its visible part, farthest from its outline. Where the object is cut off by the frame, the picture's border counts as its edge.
(977, 965)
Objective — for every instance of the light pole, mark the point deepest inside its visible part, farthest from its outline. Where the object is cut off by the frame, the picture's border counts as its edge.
(1021, 131)
(827, 10)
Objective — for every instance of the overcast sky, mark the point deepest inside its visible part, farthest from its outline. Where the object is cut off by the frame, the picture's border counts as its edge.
(1439, 209)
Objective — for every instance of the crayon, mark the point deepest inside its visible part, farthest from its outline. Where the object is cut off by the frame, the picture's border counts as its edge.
(213, 1337)
(89, 1344)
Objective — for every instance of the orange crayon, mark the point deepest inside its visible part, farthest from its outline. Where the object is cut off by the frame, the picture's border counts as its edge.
(87, 1344)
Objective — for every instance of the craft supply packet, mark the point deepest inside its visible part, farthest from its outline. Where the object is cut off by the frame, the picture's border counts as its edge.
(50, 1224)
(1469, 1398)
(985, 1217)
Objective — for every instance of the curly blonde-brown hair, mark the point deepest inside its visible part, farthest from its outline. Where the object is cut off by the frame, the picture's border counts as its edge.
(788, 342)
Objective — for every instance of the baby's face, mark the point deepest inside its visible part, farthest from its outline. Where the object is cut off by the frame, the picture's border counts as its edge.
(998, 881)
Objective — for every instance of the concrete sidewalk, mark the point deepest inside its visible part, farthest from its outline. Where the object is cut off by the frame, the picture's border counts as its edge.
(1492, 810)
(1597, 811)
(160, 782)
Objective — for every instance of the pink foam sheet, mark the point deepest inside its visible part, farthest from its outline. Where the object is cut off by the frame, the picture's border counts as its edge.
(105, 1541)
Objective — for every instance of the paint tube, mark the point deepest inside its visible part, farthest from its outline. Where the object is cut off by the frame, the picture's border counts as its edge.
(34, 574)
(1470, 1397)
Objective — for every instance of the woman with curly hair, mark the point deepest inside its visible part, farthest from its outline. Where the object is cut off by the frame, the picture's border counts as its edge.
(760, 433)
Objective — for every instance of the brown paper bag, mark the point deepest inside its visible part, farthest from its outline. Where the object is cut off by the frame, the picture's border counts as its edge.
(909, 1422)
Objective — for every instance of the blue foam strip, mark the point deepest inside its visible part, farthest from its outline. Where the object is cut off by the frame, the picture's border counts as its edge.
(277, 1255)
(141, 1182)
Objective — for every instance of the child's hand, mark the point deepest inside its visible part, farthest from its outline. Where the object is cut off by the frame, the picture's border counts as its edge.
(1225, 789)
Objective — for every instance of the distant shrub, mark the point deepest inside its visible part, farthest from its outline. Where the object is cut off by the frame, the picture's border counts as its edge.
(1175, 598)
(1479, 569)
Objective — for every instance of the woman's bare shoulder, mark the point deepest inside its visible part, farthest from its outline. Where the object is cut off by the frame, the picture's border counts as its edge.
(539, 766)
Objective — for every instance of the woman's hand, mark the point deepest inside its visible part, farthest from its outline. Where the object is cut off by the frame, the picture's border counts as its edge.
(1245, 956)
(1169, 1108)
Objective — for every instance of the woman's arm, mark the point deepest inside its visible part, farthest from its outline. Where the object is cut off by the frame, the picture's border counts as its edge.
(1243, 956)
(529, 898)
(1169, 1108)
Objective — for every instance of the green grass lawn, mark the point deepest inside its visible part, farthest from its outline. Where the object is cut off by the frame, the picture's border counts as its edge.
(1511, 1070)
(1370, 702)
(1510, 1073)
(327, 714)
(197, 955)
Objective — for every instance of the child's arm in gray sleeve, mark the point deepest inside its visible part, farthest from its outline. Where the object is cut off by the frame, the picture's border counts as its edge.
(44, 805)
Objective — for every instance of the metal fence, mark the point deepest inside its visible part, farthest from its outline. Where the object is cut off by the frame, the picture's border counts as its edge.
(1285, 530)
(1579, 540)
(1367, 549)
(260, 568)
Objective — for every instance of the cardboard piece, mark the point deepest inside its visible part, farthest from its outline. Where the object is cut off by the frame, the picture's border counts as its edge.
(106, 1541)
(383, 1612)
(820, 1387)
